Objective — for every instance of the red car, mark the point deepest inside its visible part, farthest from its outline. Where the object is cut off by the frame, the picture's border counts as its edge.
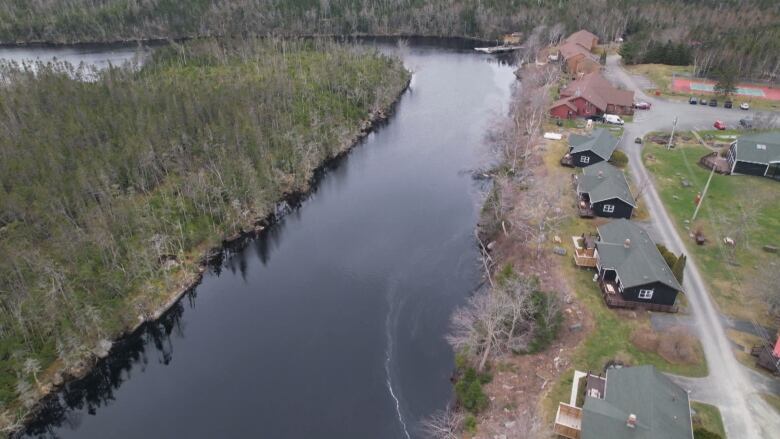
(719, 125)
(642, 105)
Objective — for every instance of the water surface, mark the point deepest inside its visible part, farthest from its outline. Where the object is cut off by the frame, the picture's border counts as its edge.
(331, 324)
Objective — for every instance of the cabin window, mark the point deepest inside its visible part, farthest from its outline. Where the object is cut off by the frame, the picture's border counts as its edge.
(584, 159)
(646, 294)
(609, 208)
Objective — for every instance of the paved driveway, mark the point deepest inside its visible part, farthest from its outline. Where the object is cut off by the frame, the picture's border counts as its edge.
(730, 386)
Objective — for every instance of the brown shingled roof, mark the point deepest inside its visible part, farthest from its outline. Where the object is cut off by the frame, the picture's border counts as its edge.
(596, 89)
(565, 101)
(571, 49)
(583, 38)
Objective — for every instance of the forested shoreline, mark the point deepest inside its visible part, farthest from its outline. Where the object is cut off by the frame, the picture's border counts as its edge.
(741, 32)
(113, 187)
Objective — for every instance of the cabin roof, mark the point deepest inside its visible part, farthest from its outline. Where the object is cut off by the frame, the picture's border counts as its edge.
(583, 38)
(661, 407)
(761, 148)
(639, 262)
(600, 142)
(602, 181)
(594, 87)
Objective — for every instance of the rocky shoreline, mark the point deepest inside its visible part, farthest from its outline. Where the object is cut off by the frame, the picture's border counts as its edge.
(56, 377)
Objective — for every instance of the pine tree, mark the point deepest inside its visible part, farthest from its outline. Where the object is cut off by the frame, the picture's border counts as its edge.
(679, 268)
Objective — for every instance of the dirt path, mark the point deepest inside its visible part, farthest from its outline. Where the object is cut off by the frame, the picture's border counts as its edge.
(729, 386)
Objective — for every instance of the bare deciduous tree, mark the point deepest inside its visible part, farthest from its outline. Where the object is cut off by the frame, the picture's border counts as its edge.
(445, 424)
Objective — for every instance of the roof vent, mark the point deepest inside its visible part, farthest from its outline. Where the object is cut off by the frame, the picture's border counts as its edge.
(601, 174)
(631, 421)
(627, 243)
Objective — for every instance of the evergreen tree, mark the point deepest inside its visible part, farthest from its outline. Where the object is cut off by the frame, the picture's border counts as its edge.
(678, 269)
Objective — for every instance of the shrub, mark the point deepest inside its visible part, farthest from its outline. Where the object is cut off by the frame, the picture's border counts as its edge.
(469, 390)
(470, 423)
(619, 159)
(547, 318)
(669, 257)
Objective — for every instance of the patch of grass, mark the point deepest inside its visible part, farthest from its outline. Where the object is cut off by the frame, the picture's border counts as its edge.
(772, 400)
(660, 74)
(742, 207)
(708, 417)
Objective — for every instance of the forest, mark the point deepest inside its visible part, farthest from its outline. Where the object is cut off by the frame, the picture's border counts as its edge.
(718, 32)
(111, 187)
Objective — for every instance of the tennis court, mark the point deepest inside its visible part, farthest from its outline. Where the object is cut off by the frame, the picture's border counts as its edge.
(686, 85)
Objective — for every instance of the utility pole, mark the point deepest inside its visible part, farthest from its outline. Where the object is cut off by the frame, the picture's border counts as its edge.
(671, 137)
(703, 194)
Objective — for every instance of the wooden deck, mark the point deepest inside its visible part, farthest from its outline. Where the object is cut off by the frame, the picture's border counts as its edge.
(585, 209)
(568, 421)
(613, 299)
(584, 254)
(714, 161)
(567, 161)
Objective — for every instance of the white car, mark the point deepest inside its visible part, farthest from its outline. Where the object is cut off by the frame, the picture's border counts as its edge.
(744, 106)
(613, 118)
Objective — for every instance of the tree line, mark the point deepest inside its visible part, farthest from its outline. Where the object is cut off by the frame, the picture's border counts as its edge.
(108, 185)
(716, 31)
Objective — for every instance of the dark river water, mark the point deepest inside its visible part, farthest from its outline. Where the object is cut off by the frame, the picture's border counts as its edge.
(331, 325)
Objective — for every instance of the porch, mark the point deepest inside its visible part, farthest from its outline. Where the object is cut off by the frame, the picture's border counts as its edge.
(584, 207)
(714, 161)
(567, 160)
(584, 251)
(610, 291)
(568, 421)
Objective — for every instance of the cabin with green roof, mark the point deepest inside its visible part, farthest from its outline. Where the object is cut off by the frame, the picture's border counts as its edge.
(596, 147)
(757, 154)
(631, 271)
(629, 403)
(602, 190)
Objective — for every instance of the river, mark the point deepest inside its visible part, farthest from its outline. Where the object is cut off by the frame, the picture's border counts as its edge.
(332, 323)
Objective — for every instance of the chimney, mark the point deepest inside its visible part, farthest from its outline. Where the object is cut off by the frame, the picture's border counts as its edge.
(631, 422)
(627, 243)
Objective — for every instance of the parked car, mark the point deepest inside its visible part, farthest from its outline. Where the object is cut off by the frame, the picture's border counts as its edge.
(727, 104)
(744, 106)
(692, 100)
(746, 123)
(638, 140)
(642, 105)
(719, 125)
(614, 119)
(703, 101)
(713, 102)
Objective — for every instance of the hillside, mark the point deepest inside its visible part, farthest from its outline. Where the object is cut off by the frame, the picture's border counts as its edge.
(111, 190)
(720, 32)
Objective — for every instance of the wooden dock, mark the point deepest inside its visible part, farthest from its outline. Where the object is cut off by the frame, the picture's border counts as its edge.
(498, 49)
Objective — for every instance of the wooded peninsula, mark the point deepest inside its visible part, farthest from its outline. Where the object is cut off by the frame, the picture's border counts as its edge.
(115, 182)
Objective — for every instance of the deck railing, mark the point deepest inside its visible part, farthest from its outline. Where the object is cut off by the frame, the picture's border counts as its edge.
(583, 257)
(568, 421)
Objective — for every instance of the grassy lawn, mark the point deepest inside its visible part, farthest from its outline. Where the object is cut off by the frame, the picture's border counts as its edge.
(708, 417)
(661, 76)
(610, 338)
(744, 208)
